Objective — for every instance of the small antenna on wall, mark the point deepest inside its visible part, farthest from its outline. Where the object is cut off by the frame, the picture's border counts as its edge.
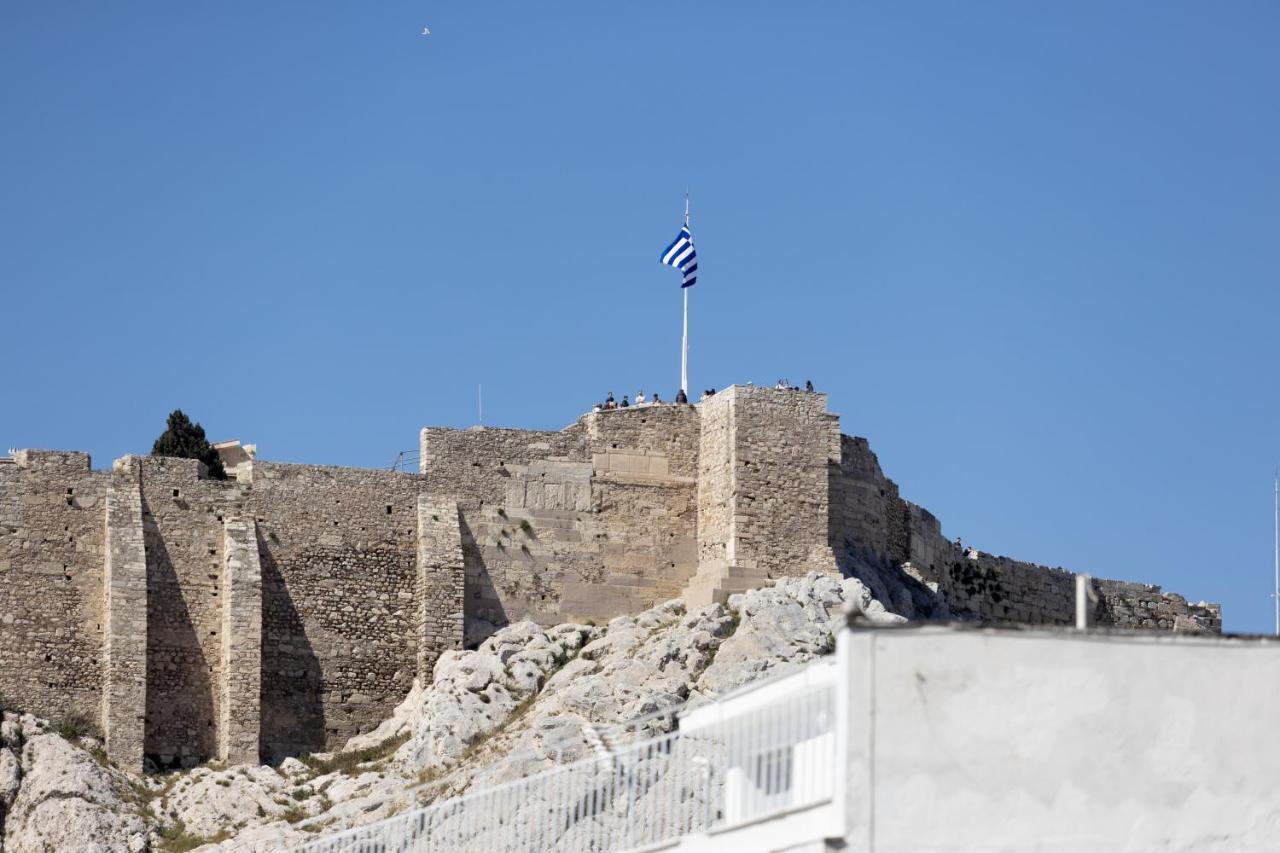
(480, 404)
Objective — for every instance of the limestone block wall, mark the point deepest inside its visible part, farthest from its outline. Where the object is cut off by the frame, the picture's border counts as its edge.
(338, 550)
(1004, 590)
(475, 465)
(767, 473)
(290, 609)
(589, 522)
(183, 522)
(52, 550)
(670, 432)
(717, 463)
(868, 512)
(1143, 606)
(441, 582)
(644, 497)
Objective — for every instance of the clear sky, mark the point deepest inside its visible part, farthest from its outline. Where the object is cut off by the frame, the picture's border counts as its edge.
(1029, 249)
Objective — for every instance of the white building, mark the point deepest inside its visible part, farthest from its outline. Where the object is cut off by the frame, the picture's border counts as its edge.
(934, 738)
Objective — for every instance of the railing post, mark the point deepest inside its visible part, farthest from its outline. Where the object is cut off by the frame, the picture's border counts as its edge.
(837, 770)
(1082, 602)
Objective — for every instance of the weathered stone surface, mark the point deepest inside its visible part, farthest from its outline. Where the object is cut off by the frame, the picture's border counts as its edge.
(209, 802)
(10, 779)
(68, 801)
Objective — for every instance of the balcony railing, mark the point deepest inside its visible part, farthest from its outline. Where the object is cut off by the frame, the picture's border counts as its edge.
(721, 769)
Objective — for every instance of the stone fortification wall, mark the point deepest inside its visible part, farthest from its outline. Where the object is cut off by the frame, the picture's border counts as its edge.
(668, 434)
(872, 516)
(338, 550)
(291, 608)
(182, 520)
(717, 462)
(1146, 607)
(52, 550)
(764, 483)
(865, 507)
(589, 522)
(441, 582)
(277, 614)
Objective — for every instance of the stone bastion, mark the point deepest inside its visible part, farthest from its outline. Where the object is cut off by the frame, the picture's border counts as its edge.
(291, 608)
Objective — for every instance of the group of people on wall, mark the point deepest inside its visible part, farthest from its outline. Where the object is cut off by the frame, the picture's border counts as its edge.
(641, 400)
(680, 399)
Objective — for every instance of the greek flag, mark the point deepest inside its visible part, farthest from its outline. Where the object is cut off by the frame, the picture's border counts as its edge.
(681, 255)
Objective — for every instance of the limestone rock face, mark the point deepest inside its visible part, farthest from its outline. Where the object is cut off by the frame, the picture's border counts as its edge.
(209, 802)
(68, 801)
(10, 779)
(475, 692)
(784, 627)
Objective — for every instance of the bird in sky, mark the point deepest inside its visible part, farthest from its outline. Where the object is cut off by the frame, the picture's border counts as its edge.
(426, 31)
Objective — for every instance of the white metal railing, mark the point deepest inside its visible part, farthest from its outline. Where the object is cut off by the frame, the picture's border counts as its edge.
(776, 757)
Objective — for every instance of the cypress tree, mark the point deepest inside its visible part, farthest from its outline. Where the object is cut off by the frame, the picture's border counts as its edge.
(187, 441)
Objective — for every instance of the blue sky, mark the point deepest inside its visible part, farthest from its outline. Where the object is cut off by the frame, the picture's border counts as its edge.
(1029, 249)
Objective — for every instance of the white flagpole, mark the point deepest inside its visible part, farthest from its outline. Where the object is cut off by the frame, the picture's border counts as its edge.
(1276, 593)
(684, 345)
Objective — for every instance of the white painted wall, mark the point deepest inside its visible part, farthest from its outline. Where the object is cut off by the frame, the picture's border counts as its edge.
(1055, 741)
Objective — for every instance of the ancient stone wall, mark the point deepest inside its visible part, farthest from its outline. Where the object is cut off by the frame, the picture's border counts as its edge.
(1145, 607)
(441, 582)
(52, 551)
(338, 550)
(717, 463)
(183, 518)
(991, 588)
(277, 614)
(778, 468)
(589, 522)
(668, 434)
(866, 510)
(290, 609)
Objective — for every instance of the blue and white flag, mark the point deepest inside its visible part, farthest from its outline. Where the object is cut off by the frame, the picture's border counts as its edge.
(681, 255)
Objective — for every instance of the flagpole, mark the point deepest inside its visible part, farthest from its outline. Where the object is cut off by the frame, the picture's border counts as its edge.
(1276, 593)
(684, 353)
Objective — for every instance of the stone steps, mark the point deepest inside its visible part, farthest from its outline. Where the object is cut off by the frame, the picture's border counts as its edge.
(714, 583)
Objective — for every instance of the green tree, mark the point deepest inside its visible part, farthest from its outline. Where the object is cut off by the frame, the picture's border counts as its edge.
(186, 440)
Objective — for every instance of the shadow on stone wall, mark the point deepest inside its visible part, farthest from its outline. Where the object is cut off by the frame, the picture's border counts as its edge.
(180, 709)
(481, 605)
(293, 720)
(898, 591)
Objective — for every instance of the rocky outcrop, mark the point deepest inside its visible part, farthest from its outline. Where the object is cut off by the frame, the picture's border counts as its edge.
(56, 794)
